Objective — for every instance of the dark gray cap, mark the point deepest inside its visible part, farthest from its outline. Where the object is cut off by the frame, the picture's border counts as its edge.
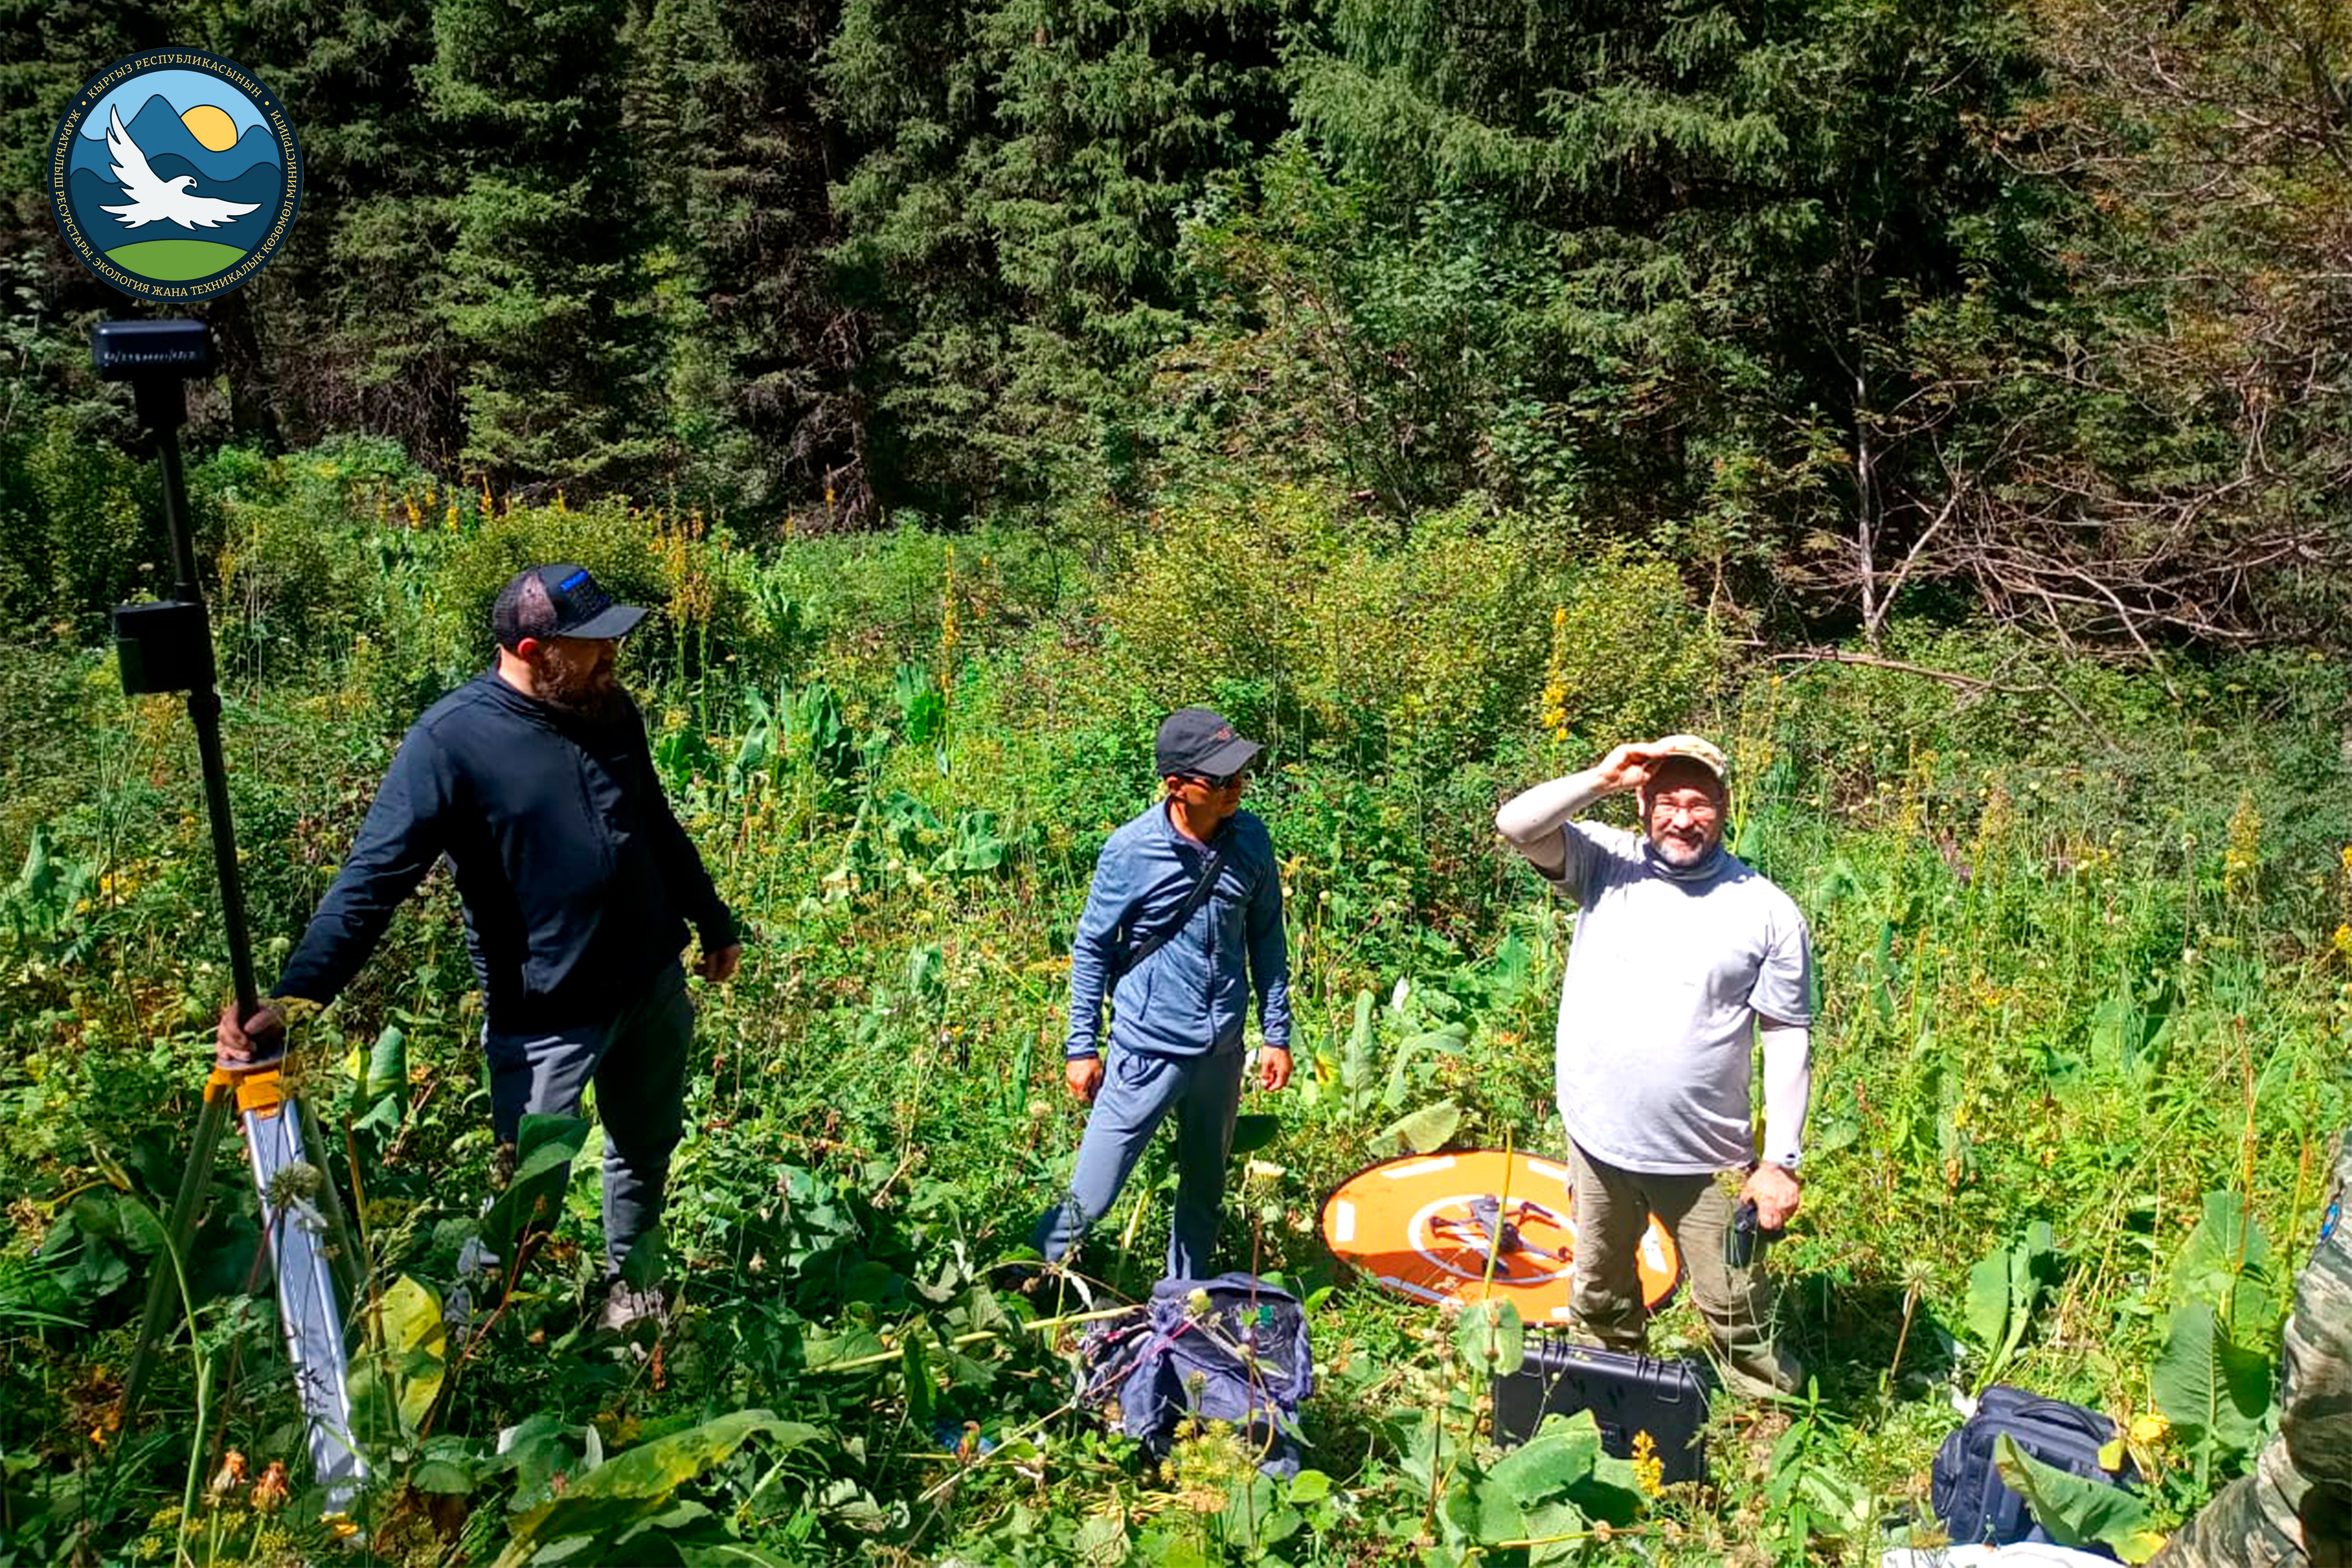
(1196, 741)
(560, 601)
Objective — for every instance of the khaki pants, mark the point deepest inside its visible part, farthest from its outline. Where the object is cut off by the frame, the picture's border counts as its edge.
(1613, 1210)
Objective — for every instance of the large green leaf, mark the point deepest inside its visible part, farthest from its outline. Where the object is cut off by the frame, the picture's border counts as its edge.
(1255, 1517)
(637, 1485)
(545, 1147)
(2002, 1289)
(2076, 1512)
(1557, 1533)
(1491, 1338)
(2029, 1265)
(1987, 1310)
(1547, 1465)
(1448, 1040)
(915, 1368)
(1422, 1131)
(415, 1344)
(387, 1066)
(394, 1384)
(2213, 1391)
(821, 1353)
(2225, 1264)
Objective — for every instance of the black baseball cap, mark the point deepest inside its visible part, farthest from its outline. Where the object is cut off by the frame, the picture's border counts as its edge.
(1195, 741)
(560, 601)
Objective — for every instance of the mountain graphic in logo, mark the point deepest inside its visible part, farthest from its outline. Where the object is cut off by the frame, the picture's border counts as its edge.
(174, 175)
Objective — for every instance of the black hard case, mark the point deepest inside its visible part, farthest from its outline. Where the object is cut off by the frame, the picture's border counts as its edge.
(1626, 1393)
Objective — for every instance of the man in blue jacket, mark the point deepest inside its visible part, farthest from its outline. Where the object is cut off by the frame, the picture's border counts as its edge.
(1184, 918)
(534, 780)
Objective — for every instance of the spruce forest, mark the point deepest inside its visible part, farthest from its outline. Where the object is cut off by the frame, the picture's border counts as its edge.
(1945, 407)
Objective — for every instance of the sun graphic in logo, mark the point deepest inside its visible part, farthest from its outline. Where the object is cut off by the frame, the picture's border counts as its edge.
(211, 126)
(174, 175)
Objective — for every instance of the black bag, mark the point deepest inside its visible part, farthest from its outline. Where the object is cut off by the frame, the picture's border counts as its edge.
(1230, 1349)
(1626, 1393)
(1975, 1505)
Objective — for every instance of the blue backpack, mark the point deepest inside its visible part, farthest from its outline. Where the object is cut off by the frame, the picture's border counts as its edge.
(1974, 1504)
(1231, 1349)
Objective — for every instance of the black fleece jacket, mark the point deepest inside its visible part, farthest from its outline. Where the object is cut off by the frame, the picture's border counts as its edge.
(577, 881)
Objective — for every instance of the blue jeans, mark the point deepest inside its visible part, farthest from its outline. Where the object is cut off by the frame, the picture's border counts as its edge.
(1138, 1090)
(638, 1060)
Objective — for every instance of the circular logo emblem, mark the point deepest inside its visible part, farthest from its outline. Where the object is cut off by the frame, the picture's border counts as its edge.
(174, 175)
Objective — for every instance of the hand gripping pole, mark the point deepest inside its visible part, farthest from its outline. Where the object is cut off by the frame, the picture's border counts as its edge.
(167, 646)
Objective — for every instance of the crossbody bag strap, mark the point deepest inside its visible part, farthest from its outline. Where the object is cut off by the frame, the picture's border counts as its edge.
(1192, 901)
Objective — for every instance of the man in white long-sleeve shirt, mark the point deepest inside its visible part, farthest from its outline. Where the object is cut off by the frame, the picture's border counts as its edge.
(1684, 960)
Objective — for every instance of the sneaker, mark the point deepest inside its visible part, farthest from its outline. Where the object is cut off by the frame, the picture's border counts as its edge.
(632, 1311)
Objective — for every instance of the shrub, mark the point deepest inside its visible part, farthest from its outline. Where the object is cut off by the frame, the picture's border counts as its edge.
(81, 529)
(877, 601)
(1428, 651)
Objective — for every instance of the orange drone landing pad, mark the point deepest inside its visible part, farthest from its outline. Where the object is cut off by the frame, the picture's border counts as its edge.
(1410, 1224)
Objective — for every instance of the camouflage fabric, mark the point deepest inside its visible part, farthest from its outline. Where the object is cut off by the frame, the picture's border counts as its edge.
(2297, 1508)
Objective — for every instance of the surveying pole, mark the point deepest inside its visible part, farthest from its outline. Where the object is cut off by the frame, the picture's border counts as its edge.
(165, 647)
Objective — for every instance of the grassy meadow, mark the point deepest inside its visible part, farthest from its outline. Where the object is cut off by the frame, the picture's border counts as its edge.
(2084, 936)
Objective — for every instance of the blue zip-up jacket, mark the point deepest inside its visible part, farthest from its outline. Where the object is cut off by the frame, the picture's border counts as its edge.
(577, 881)
(1191, 996)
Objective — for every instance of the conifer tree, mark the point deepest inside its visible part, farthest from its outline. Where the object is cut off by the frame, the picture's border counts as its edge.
(1014, 212)
(542, 288)
(762, 404)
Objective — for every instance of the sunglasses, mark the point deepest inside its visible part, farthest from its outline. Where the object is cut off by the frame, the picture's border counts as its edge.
(1219, 780)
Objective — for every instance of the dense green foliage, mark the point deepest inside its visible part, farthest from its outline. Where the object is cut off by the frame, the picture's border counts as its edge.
(1947, 404)
(2087, 977)
(1848, 305)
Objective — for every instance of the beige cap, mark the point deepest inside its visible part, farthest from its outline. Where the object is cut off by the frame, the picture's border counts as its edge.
(1703, 753)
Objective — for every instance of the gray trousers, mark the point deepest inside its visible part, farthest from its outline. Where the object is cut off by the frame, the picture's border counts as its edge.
(1612, 1211)
(1138, 1090)
(638, 1060)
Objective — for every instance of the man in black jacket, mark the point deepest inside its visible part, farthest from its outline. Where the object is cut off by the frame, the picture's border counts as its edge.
(535, 782)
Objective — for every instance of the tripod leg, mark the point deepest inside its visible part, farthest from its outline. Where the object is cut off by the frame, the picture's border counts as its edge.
(343, 1253)
(187, 1208)
(288, 1178)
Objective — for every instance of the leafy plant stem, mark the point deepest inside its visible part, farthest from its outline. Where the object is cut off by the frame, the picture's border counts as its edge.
(1902, 1337)
(203, 1378)
(1036, 1326)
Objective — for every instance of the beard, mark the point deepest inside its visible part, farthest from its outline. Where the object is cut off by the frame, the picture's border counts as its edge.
(1682, 854)
(591, 692)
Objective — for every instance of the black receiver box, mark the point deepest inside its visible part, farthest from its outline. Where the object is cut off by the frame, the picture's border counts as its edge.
(1626, 1393)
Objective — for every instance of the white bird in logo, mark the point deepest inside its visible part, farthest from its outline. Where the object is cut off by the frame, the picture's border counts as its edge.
(154, 200)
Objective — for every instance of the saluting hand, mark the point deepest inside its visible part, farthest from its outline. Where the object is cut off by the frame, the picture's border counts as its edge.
(1627, 767)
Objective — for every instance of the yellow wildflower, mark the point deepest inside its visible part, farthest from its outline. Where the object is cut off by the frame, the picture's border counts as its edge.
(1649, 1471)
(1555, 691)
(2243, 852)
